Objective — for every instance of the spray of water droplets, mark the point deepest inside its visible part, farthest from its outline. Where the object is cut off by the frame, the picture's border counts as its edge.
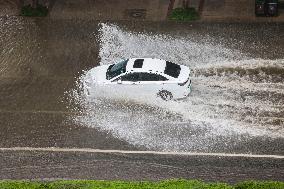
(234, 99)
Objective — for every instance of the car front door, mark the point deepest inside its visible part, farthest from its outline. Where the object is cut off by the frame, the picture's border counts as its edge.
(126, 85)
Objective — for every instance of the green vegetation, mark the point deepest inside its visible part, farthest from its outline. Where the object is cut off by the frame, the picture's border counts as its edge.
(28, 10)
(184, 14)
(170, 184)
(260, 185)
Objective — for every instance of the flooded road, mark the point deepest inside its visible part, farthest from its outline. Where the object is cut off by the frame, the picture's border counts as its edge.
(237, 101)
(40, 61)
(236, 105)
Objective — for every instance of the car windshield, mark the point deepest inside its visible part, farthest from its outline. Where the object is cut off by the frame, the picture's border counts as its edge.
(116, 69)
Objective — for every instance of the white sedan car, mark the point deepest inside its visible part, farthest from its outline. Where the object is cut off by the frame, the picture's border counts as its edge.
(144, 76)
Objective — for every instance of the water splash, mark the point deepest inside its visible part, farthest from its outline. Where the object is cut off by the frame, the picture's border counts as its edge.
(235, 98)
(188, 52)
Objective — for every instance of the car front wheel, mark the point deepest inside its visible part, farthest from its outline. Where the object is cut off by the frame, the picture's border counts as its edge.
(165, 95)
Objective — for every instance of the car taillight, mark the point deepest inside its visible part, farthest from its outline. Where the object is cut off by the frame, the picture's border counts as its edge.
(182, 84)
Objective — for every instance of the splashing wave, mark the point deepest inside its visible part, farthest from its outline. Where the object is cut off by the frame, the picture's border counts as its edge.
(234, 98)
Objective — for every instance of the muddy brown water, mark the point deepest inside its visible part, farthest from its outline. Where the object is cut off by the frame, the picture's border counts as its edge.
(41, 60)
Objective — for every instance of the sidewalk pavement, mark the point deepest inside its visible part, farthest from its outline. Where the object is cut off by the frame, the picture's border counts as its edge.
(110, 9)
(149, 10)
(232, 10)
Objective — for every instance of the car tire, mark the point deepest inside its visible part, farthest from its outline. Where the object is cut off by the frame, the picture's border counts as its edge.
(165, 95)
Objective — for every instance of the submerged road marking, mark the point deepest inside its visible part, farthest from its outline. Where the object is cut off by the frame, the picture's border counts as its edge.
(90, 150)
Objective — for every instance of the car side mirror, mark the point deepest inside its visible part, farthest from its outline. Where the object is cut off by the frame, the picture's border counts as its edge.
(119, 81)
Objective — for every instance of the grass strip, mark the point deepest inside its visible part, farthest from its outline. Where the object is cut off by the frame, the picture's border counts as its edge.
(168, 184)
(184, 14)
(39, 11)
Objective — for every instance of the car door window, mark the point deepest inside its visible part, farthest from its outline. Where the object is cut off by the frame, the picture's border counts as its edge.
(151, 77)
(133, 77)
(162, 78)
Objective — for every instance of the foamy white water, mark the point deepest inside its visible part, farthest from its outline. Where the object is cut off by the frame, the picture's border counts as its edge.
(233, 99)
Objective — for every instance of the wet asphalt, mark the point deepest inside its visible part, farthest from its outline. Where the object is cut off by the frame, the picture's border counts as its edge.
(42, 59)
(100, 166)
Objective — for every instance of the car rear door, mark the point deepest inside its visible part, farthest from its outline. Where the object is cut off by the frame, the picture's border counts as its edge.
(152, 83)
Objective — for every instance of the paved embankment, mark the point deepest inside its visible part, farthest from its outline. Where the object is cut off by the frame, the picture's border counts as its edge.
(85, 164)
(213, 10)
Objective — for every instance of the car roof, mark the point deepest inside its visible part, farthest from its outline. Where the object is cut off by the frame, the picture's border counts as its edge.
(149, 65)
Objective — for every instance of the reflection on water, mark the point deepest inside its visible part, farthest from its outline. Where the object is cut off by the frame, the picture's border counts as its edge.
(236, 99)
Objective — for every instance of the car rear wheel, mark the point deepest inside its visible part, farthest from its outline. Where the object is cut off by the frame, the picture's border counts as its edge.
(165, 95)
